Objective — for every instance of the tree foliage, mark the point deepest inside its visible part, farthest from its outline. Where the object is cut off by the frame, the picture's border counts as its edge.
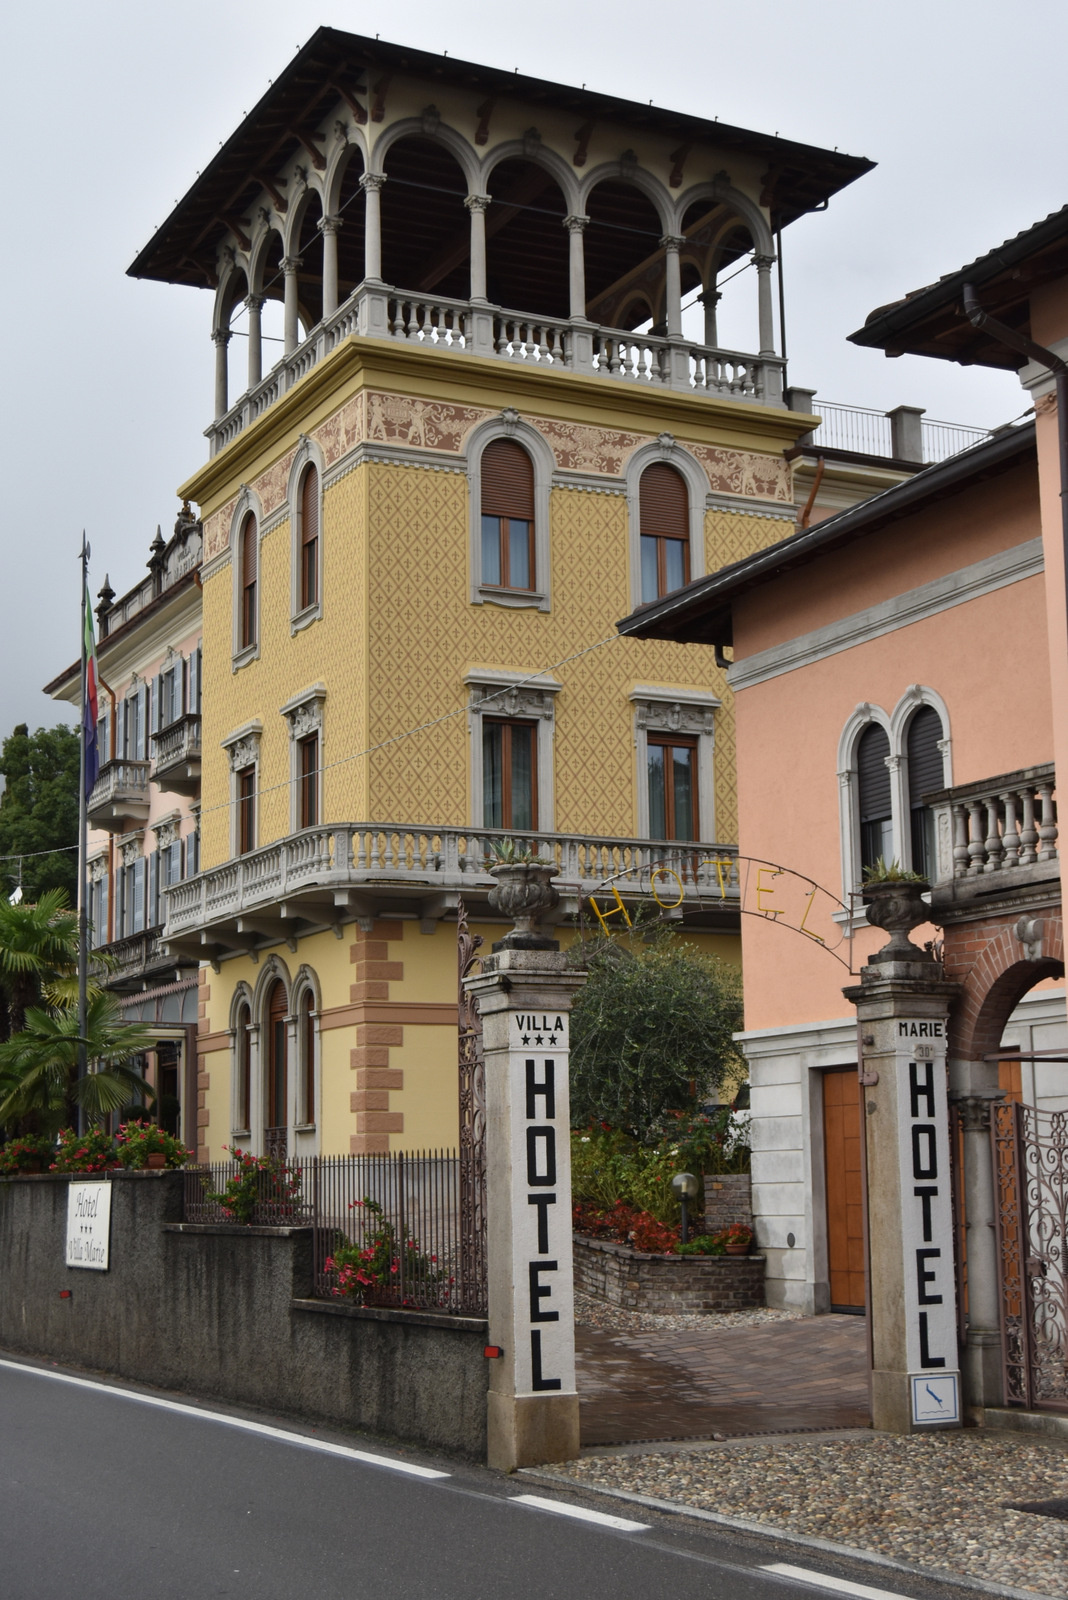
(39, 1066)
(38, 956)
(39, 810)
(651, 1031)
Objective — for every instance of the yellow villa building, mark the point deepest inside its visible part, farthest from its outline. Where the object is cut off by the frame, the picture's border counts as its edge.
(420, 526)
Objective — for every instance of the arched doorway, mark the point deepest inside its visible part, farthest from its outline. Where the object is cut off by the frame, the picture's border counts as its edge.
(276, 1097)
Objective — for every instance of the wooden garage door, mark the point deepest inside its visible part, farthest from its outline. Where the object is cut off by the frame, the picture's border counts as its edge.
(845, 1211)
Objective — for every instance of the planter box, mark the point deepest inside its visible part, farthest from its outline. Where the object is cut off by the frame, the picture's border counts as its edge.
(624, 1277)
(728, 1198)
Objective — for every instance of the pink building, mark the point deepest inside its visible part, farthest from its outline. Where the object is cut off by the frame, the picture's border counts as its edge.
(901, 680)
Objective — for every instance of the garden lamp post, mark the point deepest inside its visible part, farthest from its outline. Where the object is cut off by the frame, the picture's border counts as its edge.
(685, 1186)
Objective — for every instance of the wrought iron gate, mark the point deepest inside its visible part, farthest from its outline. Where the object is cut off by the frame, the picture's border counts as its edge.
(472, 1072)
(1031, 1177)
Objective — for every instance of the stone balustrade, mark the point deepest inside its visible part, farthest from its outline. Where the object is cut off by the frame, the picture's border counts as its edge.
(130, 959)
(176, 756)
(120, 795)
(323, 876)
(476, 328)
(998, 826)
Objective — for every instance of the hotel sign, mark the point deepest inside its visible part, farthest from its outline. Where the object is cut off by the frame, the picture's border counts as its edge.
(543, 1333)
(88, 1225)
(927, 1221)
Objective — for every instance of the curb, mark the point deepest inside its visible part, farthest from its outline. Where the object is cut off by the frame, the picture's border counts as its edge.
(783, 1536)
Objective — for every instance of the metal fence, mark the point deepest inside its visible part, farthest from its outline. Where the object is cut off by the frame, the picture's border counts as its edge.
(386, 1227)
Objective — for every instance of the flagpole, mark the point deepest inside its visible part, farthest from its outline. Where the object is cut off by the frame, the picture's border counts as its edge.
(83, 836)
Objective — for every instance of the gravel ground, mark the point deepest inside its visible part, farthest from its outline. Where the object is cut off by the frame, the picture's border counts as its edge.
(937, 1500)
(591, 1313)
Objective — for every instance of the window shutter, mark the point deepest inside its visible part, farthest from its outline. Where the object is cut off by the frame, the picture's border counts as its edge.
(193, 693)
(138, 896)
(309, 506)
(507, 481)
(663, 503)
(248, 551)
(153, 889)
(157, 703)
(926, 771)
(873, 774)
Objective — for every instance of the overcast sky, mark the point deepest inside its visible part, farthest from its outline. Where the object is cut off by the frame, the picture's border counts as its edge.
(110, 110)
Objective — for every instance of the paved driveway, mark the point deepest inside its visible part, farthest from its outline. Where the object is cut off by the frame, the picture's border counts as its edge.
(809, 1374)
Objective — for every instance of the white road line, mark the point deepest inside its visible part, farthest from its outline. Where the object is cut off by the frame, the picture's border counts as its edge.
(241, 1423)
(839, 1585)
(562, 1509)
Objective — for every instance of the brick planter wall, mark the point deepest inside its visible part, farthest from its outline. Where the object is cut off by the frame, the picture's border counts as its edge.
(728, 1198)
(623, 1277)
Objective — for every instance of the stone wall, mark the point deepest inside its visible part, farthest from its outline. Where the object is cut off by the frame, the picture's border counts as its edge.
(728, 1198)
(623, 1277)
(226, 1312)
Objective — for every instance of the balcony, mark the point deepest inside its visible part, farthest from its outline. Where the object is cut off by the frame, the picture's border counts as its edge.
(462, 327)
(132, 961)
(120, 796)
(176, 757)
(325, 876)
(995, 838)
(904, 434)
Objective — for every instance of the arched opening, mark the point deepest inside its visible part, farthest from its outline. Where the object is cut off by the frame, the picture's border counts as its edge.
(308, 569)
(308, 249)
(507, 479)
(276, 1099)
(249, 578)
(1034, 1030)
(426, 232)
(350, 210)
(526, 243)
(873, 793)
(624, 261)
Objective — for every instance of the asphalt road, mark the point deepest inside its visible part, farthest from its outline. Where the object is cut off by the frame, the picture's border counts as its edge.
(110, 1491)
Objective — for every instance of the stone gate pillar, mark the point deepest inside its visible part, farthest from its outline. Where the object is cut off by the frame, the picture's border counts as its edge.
(902, 1006)
(524, 996)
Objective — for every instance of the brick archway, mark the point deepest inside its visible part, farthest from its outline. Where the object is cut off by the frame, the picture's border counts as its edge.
(996, 960)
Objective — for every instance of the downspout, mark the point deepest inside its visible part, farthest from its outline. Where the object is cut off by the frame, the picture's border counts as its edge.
(1053, 363)
(811, 501)
(111, 837)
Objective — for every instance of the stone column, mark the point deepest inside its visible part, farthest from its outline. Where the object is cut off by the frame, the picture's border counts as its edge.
(371, 183)
(710, 300)
(291, 329)
(221, 339)
(478, 205)
(524, 994)
(902, 1006)
(328, 227)
(982, 1371)
(671, 244)
(765, 312)
(576, 226)
(254, 307)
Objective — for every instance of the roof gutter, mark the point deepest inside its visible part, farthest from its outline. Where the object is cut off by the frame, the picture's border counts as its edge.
(1052, 363)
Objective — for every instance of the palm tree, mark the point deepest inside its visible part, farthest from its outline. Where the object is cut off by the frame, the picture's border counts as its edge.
(39, 1065)
(38, 955)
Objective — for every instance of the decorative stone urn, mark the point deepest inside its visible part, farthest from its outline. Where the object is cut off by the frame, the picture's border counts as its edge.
(524, 892)
(896, 905)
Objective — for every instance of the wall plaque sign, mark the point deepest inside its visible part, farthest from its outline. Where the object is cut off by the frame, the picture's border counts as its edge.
(88, 1225)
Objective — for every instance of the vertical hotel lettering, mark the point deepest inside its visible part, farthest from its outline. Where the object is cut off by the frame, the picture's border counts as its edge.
(543, 1334)
(927, 1222)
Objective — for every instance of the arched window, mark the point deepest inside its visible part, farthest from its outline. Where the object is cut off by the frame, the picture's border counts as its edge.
(243, 1068)
(277, 1069)
(873, 785)
(309, 539)
(508, 560)
(249, 565)
(306, 1045)
(926, 774)
(664, 522)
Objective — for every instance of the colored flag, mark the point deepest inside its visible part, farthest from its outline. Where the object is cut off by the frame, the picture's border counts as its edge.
(90, 709)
